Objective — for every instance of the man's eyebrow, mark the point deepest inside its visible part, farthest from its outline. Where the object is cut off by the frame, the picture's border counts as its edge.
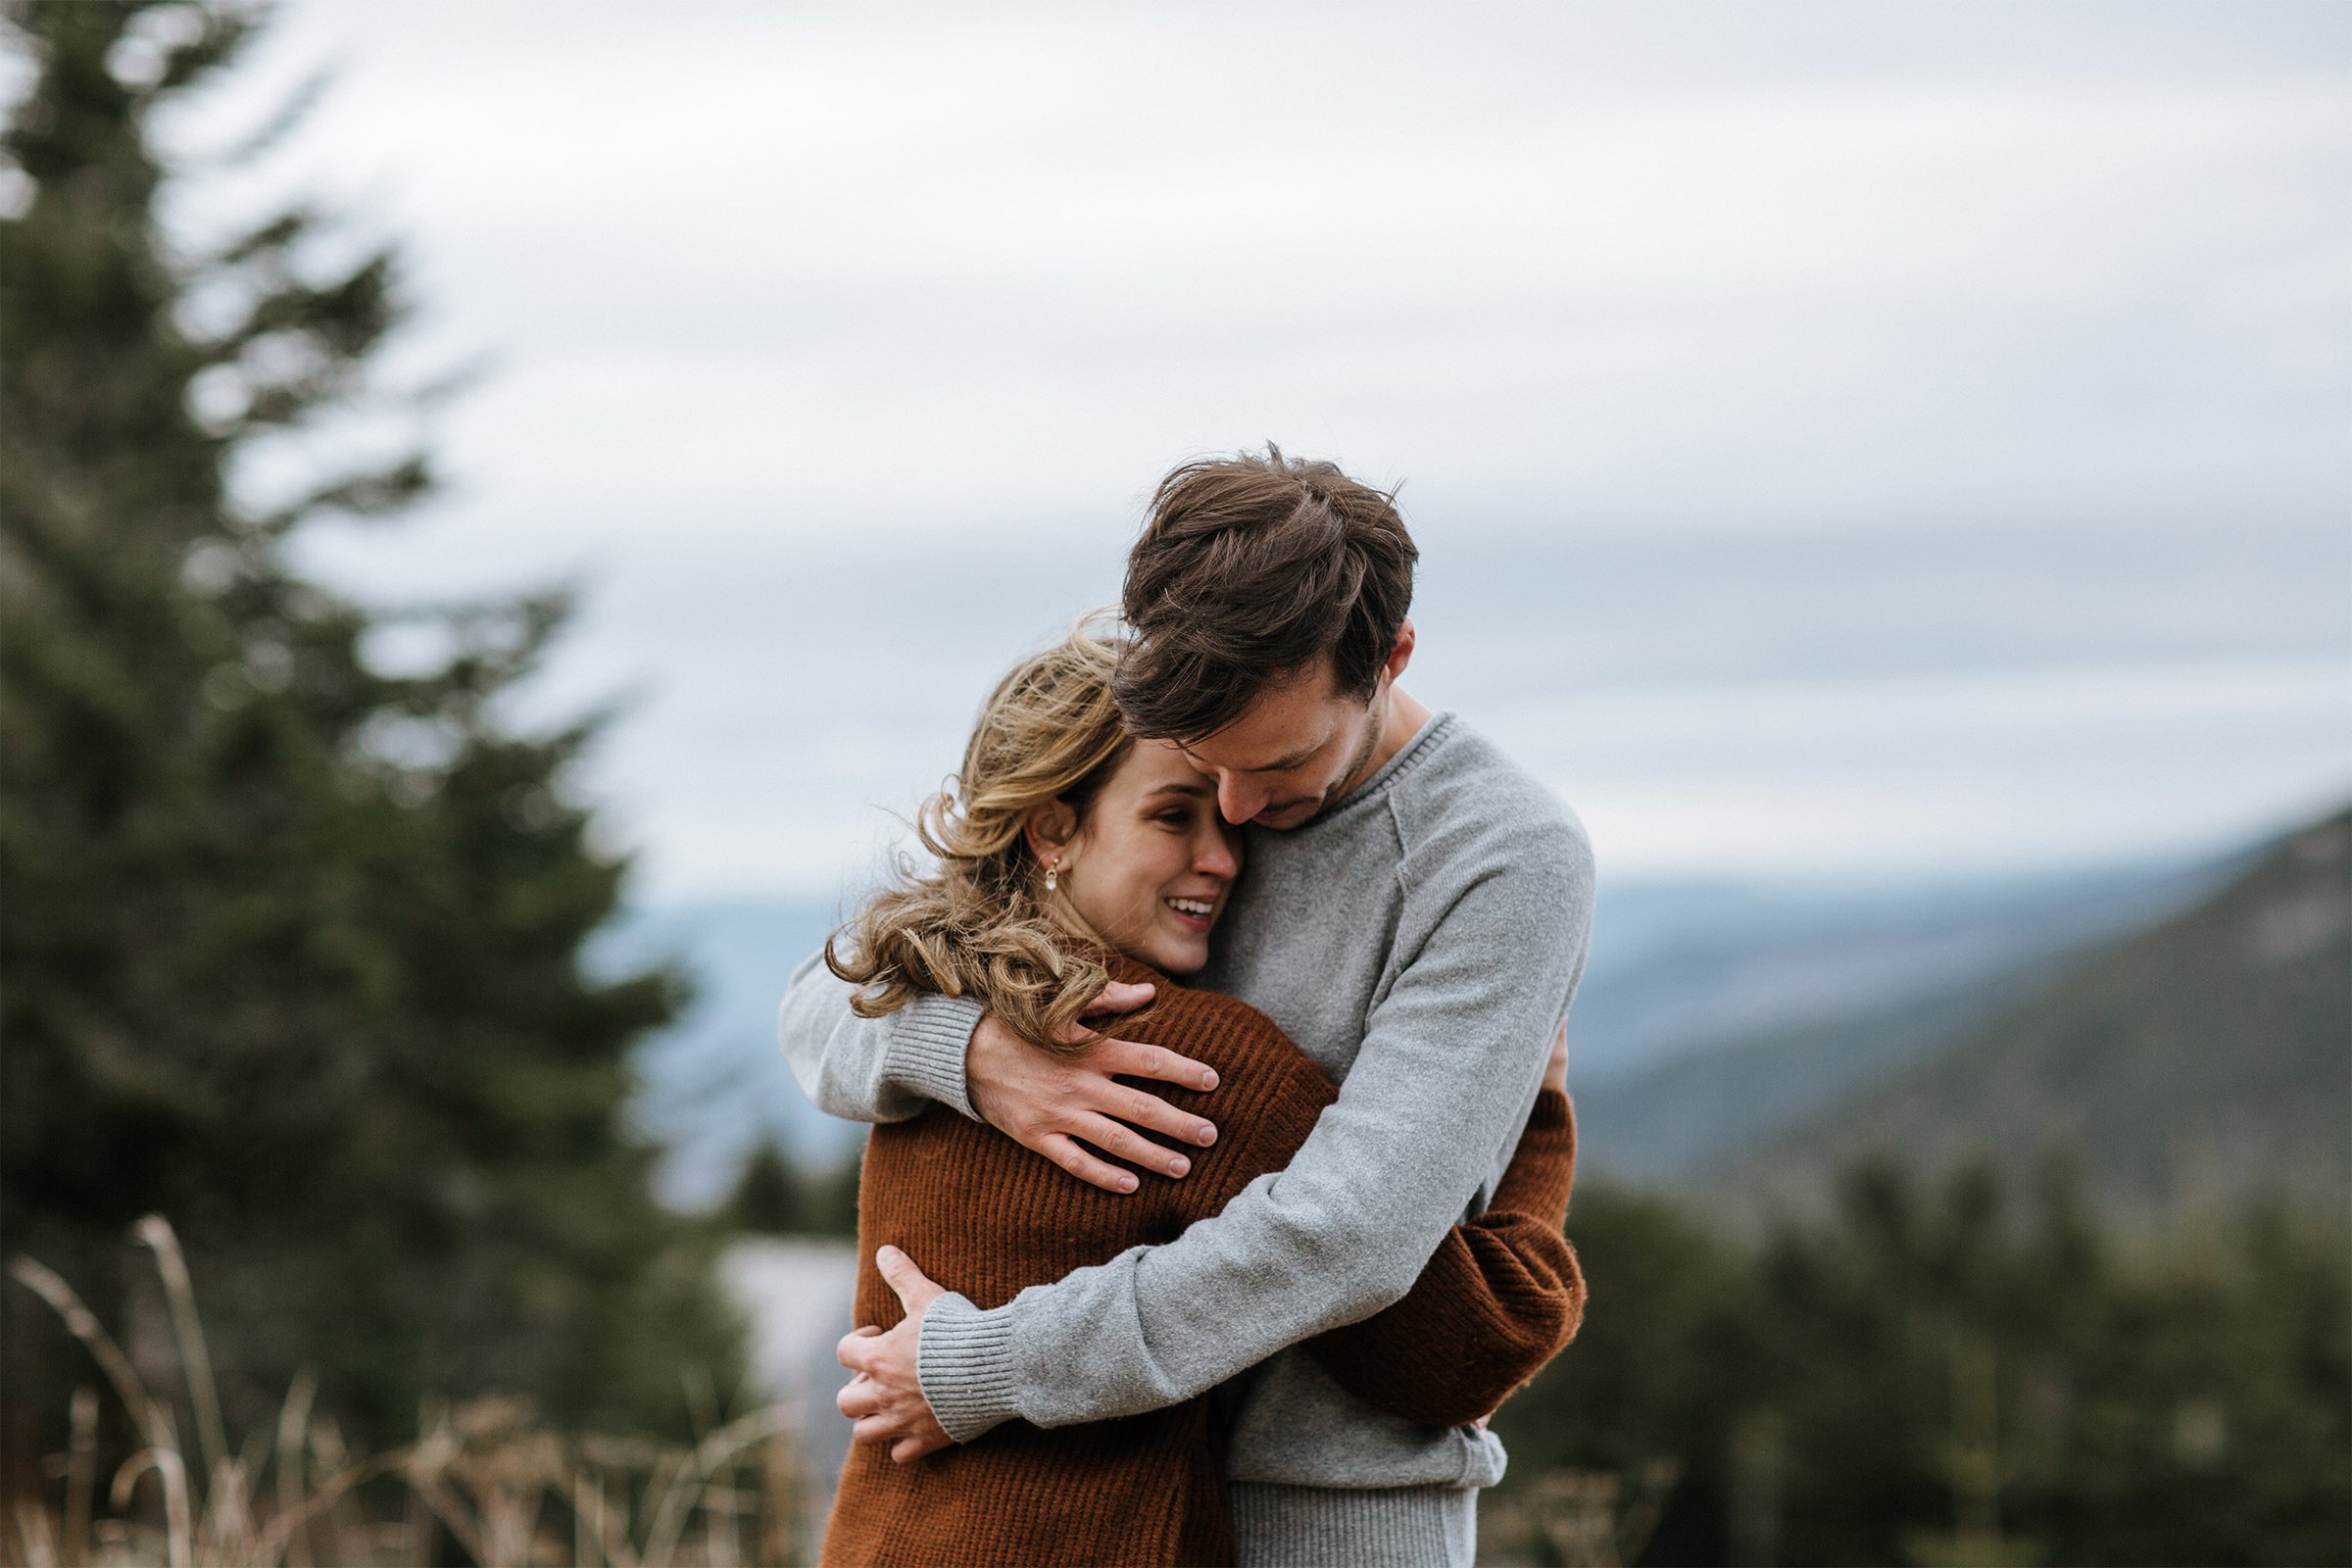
(1275, 767)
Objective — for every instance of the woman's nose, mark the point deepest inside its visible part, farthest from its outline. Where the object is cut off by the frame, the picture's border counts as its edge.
(1217, 858)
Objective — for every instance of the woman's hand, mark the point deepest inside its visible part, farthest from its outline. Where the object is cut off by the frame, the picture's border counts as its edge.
(1047, 1102)
(1555, 1071)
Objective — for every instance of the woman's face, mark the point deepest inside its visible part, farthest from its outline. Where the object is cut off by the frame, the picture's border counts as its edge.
(1149, 869)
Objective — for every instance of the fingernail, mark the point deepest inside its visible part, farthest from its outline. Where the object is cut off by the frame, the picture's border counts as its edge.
(1208, 1136)
(1208, 1080)
(1179, 1165)
(883, 1254)
(1126, 1184)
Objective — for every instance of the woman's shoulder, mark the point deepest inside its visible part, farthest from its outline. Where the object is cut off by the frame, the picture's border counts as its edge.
(1176, 1005)
(1221, 1030)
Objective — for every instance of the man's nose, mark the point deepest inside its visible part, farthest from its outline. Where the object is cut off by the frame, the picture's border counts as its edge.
(1236, 803)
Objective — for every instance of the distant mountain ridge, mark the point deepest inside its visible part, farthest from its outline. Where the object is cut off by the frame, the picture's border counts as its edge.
(1709, 1025)
(2206, 1054)
(1681, 969)
(1681, 974)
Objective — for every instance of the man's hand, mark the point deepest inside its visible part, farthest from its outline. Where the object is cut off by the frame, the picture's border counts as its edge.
(1047, 1102)
(886, 1398)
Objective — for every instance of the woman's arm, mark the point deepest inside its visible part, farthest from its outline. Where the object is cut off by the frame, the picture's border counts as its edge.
(1499, 1300)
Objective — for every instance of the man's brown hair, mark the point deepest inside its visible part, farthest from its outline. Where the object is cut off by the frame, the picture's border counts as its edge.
(1250, 568)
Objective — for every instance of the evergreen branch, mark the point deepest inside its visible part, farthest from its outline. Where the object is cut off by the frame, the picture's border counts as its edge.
(362, 495)
(271, 238)
(227, 29)
(322, 332)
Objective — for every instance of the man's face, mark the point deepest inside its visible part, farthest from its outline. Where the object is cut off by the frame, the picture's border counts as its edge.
(1293, 752)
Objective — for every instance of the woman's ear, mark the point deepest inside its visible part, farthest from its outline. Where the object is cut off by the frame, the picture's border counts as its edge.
(1049, 828)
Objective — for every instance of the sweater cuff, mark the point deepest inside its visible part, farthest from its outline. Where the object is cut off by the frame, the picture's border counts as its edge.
(928, 1038)
(964, 1361)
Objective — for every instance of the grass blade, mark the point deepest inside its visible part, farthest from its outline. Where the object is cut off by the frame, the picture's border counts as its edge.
(195, 1362)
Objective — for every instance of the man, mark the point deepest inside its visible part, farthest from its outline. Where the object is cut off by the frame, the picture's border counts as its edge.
(1414, 915)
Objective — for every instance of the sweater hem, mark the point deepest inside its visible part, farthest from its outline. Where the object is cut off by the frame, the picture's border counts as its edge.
(1388, 1527)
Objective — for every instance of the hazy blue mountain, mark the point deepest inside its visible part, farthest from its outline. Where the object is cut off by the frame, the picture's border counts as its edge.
(1684, 969)
(2205, 1054)
(1713, 1017)
(1712, 1014)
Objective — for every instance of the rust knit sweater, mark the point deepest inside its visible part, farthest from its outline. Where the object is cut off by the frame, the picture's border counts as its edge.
(983, 1216)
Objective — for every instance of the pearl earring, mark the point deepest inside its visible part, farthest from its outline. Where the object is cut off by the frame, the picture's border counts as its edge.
(1052, 876)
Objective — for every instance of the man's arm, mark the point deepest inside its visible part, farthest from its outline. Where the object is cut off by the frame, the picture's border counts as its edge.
(1500, 1299)
(1450, 1060)
(873, 1070)
(942, 1049)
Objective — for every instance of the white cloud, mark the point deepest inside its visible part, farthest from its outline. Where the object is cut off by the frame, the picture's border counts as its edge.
(768, 285)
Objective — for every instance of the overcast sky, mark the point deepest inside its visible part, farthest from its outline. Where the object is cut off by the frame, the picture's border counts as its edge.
(1843, 438)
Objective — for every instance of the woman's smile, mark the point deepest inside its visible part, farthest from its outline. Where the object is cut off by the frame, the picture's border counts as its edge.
(1193, 915)
(1149, 870)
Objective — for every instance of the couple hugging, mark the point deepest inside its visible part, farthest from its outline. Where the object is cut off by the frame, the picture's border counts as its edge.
(1272, 1333)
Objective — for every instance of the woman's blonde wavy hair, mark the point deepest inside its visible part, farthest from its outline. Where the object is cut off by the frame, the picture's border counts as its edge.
(976, 926)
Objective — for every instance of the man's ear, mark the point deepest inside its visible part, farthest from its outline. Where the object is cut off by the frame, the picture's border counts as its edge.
(1049, 828)
(1401, 655)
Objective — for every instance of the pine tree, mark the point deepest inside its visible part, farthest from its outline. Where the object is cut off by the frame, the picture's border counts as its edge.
(775, 1197)
(290, 946)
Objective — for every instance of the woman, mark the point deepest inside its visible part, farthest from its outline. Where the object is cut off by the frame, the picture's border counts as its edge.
(1069, 856)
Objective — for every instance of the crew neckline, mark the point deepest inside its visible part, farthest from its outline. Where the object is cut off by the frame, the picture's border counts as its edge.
(1407, 757)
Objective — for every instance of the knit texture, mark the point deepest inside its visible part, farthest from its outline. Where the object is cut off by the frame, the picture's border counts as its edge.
(1330, 1526)
(1499, 1297)
(982, 1214)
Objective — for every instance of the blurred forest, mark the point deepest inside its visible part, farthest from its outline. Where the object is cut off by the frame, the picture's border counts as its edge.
(1963, 1368)
(292, 953)
(291, 943)
(2076, 1290)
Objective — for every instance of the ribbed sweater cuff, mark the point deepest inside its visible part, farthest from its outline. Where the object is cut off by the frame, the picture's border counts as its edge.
(1543, 1171)
(964, 1361)
(928, 1038)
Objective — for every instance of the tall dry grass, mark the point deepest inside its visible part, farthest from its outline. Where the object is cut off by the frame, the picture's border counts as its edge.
(485, 1479)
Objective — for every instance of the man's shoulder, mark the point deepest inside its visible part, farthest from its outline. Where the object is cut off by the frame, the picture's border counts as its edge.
(1470, 801)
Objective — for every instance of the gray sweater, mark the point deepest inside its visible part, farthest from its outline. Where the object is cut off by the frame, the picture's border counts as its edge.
(1421, 941)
